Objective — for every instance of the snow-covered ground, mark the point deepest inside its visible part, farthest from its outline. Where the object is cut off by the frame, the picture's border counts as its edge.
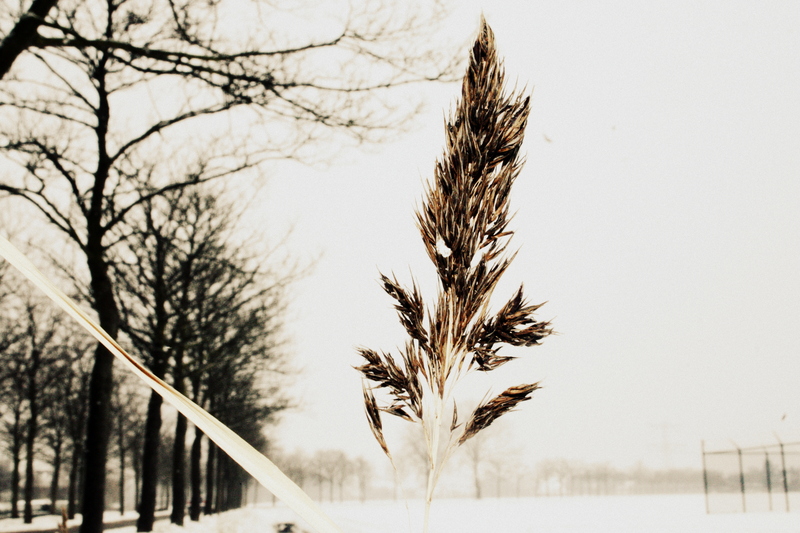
(591, 514)
(51, 521)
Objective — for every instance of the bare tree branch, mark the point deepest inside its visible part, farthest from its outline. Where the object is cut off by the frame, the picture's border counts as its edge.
(48, 209)
(171, 56)
(23, 33)
(163, 124)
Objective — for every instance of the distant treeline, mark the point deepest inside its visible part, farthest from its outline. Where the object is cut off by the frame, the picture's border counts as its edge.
(332, 475)
(566, 478)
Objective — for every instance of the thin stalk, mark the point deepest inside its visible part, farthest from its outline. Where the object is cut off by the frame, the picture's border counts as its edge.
(433, 452)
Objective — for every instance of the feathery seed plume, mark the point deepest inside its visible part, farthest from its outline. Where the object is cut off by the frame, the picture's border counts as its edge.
(463, 222)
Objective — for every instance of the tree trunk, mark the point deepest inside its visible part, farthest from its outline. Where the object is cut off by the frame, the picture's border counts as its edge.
(97, 436)
(152, 434)
(56, 474)
(33, 416)
(98, 424)
(121, 442)
(194, 509)
(210, 469)
(27, 515)
(179, 445)
(179, 472)
(219, 478)
(74, 475)
(15, 459)
(137, 476)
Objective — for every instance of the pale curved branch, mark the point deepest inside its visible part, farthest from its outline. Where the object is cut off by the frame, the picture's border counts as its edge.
(80, 42)
(48, 112)
(194, 180)
(161, 125)
(75, 92)
(47, 208)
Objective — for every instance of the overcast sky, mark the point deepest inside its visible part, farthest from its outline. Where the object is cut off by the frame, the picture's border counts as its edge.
(658, 215)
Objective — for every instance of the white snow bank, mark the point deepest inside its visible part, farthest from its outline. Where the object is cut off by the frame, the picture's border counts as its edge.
(591, 514)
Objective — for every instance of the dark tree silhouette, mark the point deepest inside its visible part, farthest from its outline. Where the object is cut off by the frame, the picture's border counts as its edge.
(24, 33)
(40, 363)
(14, 420)
(76, 406)
(12, 384)
(64, 411)
(91, 144)
(29, 363)
(129, 416)
(192, 301)
(146, 289)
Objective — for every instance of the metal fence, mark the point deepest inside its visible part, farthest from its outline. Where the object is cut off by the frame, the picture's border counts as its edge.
(756, 478)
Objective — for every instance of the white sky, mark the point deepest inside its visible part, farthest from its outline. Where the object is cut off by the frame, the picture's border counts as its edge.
(661, 224)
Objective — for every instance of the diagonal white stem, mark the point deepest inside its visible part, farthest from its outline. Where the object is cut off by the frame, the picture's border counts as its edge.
(237, 448)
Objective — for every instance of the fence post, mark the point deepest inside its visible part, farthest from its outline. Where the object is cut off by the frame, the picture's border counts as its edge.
(741, 479)
(785, 483)
(769, 477)
(705, 473)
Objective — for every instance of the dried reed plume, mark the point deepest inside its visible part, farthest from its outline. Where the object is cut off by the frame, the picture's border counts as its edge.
(463, 221)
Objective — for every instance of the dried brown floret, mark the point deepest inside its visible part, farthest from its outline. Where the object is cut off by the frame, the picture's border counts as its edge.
(396, 409)
(486, 413)
(410, 307)
(373, 369)
(374, 418)
(454, 423)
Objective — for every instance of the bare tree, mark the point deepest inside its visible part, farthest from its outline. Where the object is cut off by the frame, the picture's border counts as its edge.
(296, 465)
(40, 359)
(236, 306)
(5, 477)
(192, 298)
(29, 364)
(14, 420)
(413, 461)
(12, 385)
(64, 410)
(245, 397)
(76, 405)
(476, 452)
(555, 473)
(127, 410)
(54, 433)
(135, 446)
(91, 145)
(332, 466)
(364, 472)
(147, 272)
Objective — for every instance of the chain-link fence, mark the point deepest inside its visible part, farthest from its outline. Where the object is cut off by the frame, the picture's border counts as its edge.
(758, 478)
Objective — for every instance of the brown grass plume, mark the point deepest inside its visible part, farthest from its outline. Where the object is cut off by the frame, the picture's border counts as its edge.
(463, 221)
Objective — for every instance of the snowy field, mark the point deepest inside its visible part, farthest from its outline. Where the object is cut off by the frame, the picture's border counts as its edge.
(618, 514)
